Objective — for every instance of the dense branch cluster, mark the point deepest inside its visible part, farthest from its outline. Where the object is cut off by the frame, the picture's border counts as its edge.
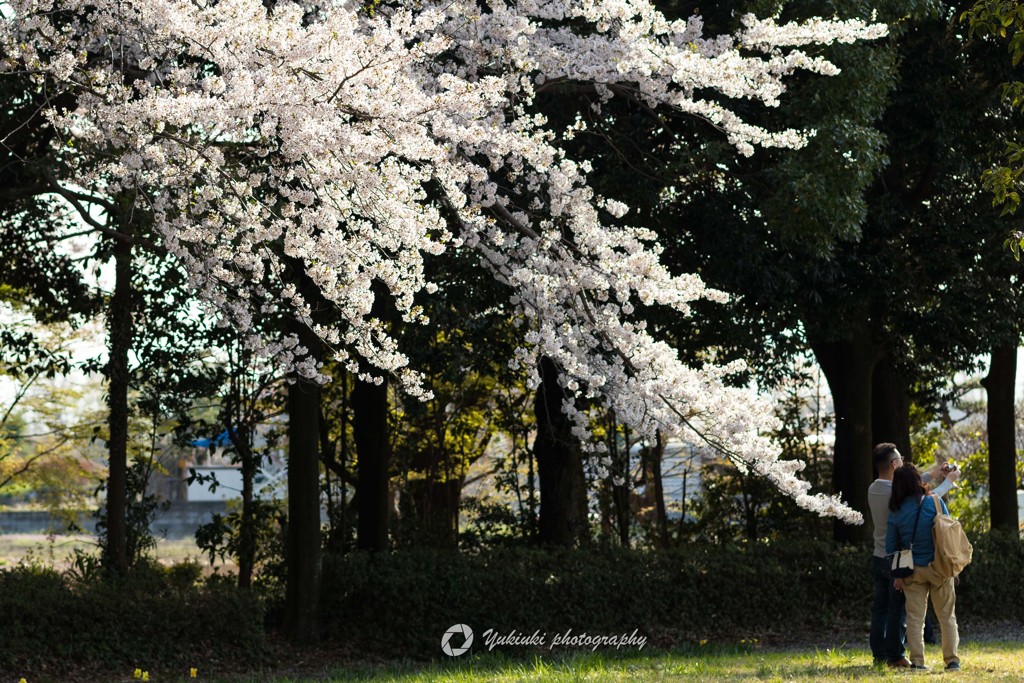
(352, 145)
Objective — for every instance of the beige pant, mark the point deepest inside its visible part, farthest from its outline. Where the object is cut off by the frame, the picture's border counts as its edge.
(917, 588)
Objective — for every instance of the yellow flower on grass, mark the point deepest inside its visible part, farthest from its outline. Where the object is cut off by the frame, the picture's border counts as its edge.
(193, 672)
(145, 675)
(138, 673)
(22, 680)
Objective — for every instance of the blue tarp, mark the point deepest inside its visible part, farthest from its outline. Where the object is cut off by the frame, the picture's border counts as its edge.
(222, 440)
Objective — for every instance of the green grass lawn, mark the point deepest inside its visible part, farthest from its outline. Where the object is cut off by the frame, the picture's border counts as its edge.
(988, 661)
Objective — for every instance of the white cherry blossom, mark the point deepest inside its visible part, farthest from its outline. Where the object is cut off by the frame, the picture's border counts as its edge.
(358, 144)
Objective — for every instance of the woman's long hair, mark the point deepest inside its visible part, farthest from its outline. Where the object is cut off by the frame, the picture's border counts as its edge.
(906, 482)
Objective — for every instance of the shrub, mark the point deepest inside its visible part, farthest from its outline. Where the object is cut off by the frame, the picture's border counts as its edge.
(400, 603)
(990, 588)
(155, 615)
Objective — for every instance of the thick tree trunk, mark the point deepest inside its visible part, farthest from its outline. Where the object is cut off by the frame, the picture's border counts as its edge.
(890, 408)
(119, 323)
(302, 544)
(1002, 449)
(848, 365)
(563, 488)
(370, 431)
(373, 451)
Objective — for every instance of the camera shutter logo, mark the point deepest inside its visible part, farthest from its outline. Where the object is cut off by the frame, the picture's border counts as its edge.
(464, 634)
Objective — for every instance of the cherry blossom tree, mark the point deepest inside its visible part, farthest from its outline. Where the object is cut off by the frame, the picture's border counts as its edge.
(359, 142)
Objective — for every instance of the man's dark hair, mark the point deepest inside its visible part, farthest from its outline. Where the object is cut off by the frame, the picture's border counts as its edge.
(906, 482)
(883, 451)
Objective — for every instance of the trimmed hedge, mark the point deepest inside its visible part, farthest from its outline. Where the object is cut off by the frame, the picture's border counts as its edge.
(400, 603)
(153, 617)
(990, 588)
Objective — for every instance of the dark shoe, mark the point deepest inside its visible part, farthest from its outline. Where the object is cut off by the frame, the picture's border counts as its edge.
(953, 666)
(918, 668)
(901, 663)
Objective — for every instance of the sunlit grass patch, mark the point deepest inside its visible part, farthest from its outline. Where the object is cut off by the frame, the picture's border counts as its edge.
(981, 661)
(57, 550)
(988, 661)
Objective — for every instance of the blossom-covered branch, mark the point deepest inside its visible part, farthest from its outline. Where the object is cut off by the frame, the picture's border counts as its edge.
(352, 144)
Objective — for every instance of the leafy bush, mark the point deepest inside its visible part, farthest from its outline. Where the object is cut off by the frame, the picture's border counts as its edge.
(158, 616)
(221, 537)
(990, 587)
(401, 603)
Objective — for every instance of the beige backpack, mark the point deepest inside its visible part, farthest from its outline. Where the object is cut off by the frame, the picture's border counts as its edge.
(952, 549)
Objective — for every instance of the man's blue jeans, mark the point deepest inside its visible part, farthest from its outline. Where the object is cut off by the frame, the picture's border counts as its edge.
(888, 623)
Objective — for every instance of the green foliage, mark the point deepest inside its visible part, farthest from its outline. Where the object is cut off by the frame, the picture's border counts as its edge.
(479, 402)
(496, 521)
(509, 516)
(400, 604)
(44, 430)
(155, 615)
(435, 442)
(989, 587)
(969, 502)
(1003, 20)
(139, 513)
(221, 538)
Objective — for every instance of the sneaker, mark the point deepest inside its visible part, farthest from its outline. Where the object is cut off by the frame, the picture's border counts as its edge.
(918, 668)
(953, 666)
(901, 663)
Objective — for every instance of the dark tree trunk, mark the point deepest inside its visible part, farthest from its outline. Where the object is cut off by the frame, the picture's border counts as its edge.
(432, 506)
(373, 450)
(750, 521)
(1002, 449)
(848, 365)
(370, 432)
(335, 458)
(604, 508)
(119, 323)
(621, 492)
(563, 488)
(654, 460)
(890, 408)
(532, 519)
(302, 544)
(247, 529)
